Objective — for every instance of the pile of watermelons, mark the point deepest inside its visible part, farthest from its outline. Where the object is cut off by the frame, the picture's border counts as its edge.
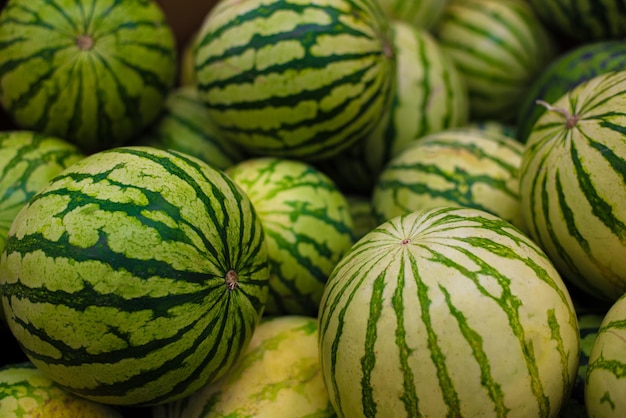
(312, 208)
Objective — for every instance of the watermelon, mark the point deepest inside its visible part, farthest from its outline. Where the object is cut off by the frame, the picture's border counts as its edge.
(447, 312)
(573, 185)
(605, 382)
(495, 126)
(583, 20)
(28, 161)
(185, 126)
(278, 376)
(422, 13)
(500, 48)
(94, 73)
(430, 96)
(26, 392)
(295, 79)
(308, 228)
(155, 261)
(461, 167)
(568, 70)
(186, 69)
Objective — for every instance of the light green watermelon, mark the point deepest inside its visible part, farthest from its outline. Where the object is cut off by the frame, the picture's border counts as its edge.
(93, 72)
(295, 79)
(278, 376)
(461, 167)
(28, 161)
(135, 277)
(185, 126)
(500, 47)
(573, 185)
(447, 312)
(26, 392)
(308, 228)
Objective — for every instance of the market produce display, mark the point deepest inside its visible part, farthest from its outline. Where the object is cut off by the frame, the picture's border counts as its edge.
(312, 208)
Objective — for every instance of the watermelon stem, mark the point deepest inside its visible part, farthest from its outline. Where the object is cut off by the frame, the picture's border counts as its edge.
(570, 120)
(232, 279)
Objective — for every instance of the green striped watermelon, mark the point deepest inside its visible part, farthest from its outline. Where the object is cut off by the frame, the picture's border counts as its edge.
(93, 72)
(430, 96)
(28, 161)
(447, 312)
(605, 382)
(308, 228)
(499, 47)
(26, 392)
(584, 20)
(186, 69)
(495, 126)
(278, 376)
(420, 13)
(566, 72)
(460, 167)
(136, 277)
(292, 78)
(186, 127)
(573, 185)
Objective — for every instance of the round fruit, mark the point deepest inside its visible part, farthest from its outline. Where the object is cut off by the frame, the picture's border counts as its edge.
(459, 167)
(94, 73)
(447, 312)
(573, 185)
(136, 277)
(26, 392)
(278, 376)
(295, 79)
(28, 161)
(500, 48)
(308, 228)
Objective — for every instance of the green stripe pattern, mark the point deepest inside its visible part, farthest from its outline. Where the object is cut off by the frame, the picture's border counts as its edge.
(293, 78)
(25, 392)
(184, 126)
(136, 276)
(584, 20)
(95, 73)
(447, 312)
(422, 14)
(430, 96)
(605, 382)
(573, 185)
(28, 161)
(566, 72)
(308, 228)
(460, 167)
(500, 47)
(279, 376)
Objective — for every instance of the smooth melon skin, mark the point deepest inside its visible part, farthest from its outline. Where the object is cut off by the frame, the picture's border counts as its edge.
(95, 73)
(279, 376)
(136, 276)
(573, 188)
(26, 392)
(308, 228)
(447, 312)
(605, 382)
(295, 79)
